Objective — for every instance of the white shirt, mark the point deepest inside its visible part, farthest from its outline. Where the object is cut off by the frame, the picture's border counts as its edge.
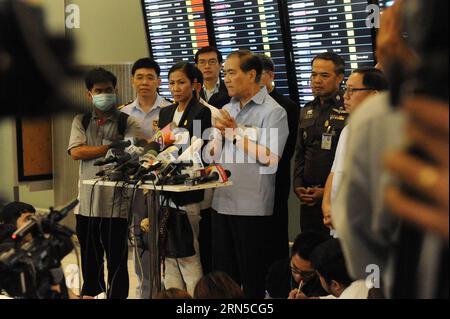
(367, 230)
(338, 164)
(357, 290)
(147, 120)
(177, 116)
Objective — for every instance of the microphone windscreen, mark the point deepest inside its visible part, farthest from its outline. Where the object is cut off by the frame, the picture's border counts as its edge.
(165, 136)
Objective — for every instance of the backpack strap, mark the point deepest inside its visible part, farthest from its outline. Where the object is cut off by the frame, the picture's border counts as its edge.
(122, 124)
(86, 120)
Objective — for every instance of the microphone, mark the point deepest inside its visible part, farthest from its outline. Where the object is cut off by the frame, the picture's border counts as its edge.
(188, 155)
(119, 159)
(110, 157)
(173, 169)
(165, 136)
(134, 157)
(51, 219)
(213, 177)
(120, 144)
(168, 155)
(215, 173)
(175, 180)
(118, 154)
(57, 216)
(147, 161)
(221, 173)
(150, 162)
(153, 149)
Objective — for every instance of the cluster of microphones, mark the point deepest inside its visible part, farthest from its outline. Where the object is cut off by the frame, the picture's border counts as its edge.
(159, 161)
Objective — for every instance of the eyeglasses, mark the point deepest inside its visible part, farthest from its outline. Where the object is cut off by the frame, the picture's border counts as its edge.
(305, 274)
(210, 62)
(350, 91)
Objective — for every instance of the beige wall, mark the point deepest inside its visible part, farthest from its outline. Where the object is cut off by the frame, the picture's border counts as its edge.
(111, 31)
(8, 167)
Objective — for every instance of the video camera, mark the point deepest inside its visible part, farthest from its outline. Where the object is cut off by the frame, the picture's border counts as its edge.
(29, 268)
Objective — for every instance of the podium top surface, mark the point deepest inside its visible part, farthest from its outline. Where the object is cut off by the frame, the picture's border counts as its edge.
(166, 188)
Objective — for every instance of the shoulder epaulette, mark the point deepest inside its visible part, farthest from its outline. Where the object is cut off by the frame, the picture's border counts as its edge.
(341, 110)
(123, 105)
(170, 101)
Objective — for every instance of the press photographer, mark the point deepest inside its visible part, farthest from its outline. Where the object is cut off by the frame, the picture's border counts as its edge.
(31, 250)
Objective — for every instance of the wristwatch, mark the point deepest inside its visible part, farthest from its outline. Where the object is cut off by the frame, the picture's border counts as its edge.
(236, 138)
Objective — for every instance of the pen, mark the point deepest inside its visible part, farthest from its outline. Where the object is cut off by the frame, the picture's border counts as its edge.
(300, 286)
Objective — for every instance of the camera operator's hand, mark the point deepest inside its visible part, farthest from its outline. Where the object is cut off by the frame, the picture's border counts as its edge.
(428, 130)
(390, 44)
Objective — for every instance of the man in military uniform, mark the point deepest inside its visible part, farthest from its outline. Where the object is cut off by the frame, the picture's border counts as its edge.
(321, 123)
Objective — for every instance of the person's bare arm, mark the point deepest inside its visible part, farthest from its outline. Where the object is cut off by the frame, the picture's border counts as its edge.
(326, 202)
(85, 152)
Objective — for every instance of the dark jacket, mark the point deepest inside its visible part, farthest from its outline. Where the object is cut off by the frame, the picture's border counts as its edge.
(283, 178)
(280, 233)
(312, 163)
(219, 99)
(194, 111)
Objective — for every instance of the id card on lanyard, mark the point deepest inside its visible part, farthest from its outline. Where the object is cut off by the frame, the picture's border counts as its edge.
(327, 140)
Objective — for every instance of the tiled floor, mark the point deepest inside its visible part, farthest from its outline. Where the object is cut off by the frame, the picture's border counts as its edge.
(72, 269)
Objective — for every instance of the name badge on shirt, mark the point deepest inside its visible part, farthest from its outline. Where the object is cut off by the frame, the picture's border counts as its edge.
(327, 141)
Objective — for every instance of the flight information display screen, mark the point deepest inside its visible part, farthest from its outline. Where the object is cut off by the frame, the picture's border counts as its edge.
(328, 25)
(176, 30)
(252, 25)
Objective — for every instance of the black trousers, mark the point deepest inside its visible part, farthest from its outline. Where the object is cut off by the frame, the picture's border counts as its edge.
(98, 236)
(279, 230)
(240, 249)
(205, 241)
(311, 219)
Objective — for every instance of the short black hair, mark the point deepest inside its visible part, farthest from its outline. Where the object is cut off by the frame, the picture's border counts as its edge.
(208, 50)
(306, 242)
(373, 78)
(187, 68)
(249, 61)
(199, 75)
(12, 211)
(99, 75)
(333, 57)
(146, 63)
(328, 260)
(267, 62)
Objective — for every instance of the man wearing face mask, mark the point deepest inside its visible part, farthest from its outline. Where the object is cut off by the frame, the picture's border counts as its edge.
(101, 217)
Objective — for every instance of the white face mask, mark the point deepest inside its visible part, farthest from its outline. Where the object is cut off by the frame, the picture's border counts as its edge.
(104, 102)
